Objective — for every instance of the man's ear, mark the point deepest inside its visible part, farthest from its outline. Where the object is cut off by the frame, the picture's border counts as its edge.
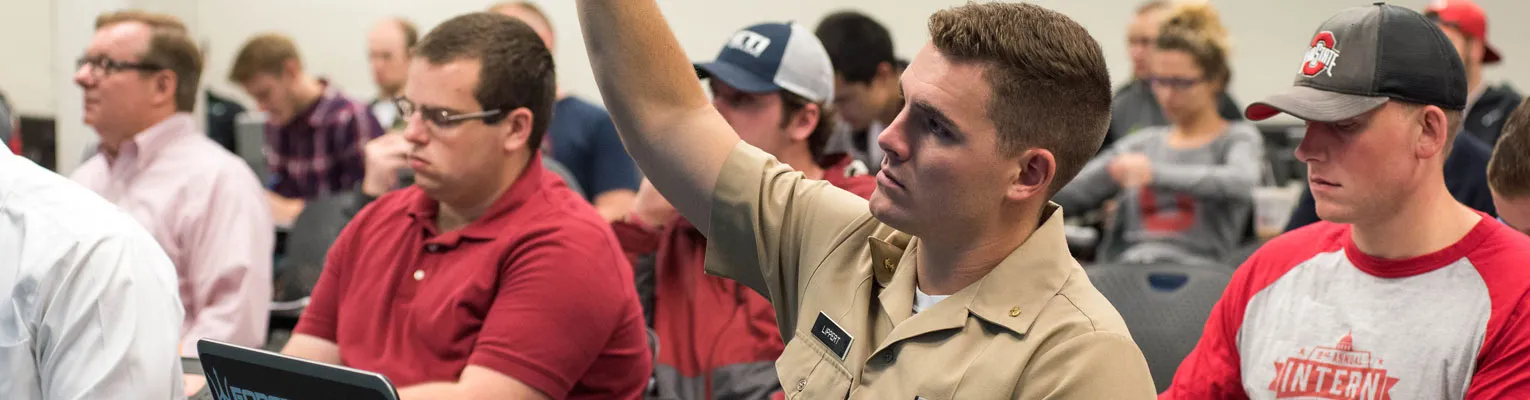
(803, 122)
(1434, 132)
(516, 129)
(291, 69)
(1034, 171)
(165, 84)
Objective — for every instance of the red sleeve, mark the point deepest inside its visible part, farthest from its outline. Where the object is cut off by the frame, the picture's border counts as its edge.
(1503, 366)
(557, 308)
(1503, 363)
(636, 240)
(1214, 369)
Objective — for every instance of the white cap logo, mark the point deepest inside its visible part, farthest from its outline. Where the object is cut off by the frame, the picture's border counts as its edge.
(1322, 57)
(749, 42)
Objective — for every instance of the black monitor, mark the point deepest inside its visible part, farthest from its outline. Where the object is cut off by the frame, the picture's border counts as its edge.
(236, 372)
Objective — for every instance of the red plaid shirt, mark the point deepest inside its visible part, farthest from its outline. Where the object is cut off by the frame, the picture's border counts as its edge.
(320, 151)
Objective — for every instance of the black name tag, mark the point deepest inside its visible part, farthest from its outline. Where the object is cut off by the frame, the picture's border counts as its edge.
(832, 336)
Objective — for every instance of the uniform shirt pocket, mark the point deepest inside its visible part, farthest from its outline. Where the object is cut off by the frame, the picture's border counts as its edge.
(810, 371)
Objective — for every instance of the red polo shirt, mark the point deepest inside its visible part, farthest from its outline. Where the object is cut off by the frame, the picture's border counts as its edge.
(537, 289)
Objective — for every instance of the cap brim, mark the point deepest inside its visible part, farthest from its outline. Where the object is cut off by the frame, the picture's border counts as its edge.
(736, 77)
(1312, 104)
(1490, 55)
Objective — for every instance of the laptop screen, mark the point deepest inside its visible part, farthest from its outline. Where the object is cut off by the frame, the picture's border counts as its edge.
(258, 375)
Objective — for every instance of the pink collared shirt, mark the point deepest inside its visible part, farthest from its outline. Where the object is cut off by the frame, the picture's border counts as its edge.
(208, 211)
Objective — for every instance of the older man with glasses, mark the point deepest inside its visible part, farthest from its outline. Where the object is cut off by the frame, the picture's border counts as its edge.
(203, 204)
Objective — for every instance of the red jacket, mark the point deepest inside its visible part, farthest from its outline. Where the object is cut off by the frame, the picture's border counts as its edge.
(717, 339)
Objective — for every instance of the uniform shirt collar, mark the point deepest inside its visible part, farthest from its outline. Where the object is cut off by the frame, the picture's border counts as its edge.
(1010, 296)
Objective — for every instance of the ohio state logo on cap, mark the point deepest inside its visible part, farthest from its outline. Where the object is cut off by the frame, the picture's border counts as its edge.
(1321, 57)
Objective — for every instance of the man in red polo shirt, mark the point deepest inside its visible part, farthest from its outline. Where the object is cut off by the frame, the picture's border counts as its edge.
(719, 339)
(488, 278)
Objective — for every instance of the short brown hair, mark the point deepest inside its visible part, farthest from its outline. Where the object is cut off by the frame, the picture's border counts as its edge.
(266, 53)
(1050, 86)
(1509, 170)
(791, 104)
(1196, 29)
(170, 47)
(516, 69)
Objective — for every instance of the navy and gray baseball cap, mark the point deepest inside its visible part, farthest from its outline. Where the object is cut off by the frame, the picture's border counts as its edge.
(774, 56)
(1364, 56)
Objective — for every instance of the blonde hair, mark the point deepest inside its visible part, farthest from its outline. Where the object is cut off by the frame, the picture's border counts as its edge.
(1195, 27)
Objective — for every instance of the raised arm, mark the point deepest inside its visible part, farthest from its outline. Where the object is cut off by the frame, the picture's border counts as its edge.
(649, 86)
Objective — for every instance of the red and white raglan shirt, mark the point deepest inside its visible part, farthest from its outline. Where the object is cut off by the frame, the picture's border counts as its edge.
(1309, 316)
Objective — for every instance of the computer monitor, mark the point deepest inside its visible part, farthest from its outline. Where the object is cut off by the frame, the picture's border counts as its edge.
(237, 372)
(250, 139)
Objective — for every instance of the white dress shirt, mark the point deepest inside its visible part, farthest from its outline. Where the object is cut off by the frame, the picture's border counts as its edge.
(88, 301)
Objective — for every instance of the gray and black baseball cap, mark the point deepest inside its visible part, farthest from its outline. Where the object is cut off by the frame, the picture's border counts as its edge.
(774, 56)
(1363, 57)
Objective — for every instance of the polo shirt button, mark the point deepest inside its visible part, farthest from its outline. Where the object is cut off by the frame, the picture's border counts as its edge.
(801, 383)
(419, 274)
(433, 248)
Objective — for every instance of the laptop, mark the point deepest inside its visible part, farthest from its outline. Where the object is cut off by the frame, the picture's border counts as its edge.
(237, 372)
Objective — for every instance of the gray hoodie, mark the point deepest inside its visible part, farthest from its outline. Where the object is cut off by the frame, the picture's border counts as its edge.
(1197, 207)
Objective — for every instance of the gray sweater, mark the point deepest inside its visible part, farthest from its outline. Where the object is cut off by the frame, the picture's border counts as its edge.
(1197, 207)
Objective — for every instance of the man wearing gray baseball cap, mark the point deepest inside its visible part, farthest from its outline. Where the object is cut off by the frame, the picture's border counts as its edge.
(1402, 290)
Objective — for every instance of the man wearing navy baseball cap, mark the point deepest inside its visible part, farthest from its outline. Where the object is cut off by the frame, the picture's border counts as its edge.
(772, 83)
(1401, 291)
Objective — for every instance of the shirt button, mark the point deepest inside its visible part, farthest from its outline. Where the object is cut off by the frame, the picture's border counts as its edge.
(419, 274)
(801, 383)
(433, 248)
(886, 357)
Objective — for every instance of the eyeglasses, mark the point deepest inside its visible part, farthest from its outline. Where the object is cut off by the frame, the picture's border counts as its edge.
(1174, 83)
(103, 66)
(440, 117)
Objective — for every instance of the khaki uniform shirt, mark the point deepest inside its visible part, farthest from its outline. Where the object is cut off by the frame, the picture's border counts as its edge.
(843, 287)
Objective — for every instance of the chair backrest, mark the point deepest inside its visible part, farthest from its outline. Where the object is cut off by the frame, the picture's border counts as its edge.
(568, 176)
(1165, 307)
(307, 245)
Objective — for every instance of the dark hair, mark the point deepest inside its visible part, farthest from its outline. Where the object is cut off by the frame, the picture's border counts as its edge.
(1509, 170)
(516, 70)
(170, 47)
(1050, 86)
(857, 45)
(1196, 29)
(791, 104)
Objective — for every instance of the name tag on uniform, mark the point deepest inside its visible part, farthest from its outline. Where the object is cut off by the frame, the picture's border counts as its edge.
(832, 336)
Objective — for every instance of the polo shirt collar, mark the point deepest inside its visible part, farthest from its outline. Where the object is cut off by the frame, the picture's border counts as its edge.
(492, 222)
(1009, 296)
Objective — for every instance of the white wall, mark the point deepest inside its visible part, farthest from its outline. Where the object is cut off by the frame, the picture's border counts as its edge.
(1269, 36)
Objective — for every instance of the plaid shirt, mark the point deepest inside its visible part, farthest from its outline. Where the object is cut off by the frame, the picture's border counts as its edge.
(319, 152)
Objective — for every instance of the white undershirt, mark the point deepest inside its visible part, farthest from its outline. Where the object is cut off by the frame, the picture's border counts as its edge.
(924, 302)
